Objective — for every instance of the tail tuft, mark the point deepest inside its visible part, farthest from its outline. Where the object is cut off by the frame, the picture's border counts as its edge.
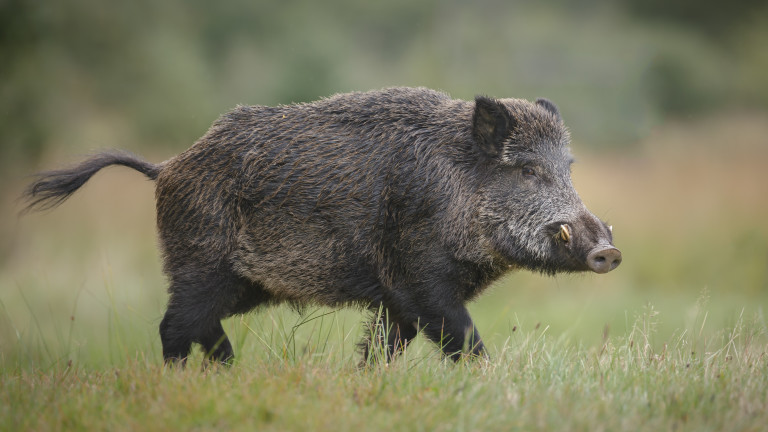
(54, 187)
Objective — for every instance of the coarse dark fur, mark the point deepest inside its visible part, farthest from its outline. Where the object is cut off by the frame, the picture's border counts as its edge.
(401, 198)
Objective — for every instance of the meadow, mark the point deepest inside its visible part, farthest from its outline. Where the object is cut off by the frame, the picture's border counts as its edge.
(674, 339)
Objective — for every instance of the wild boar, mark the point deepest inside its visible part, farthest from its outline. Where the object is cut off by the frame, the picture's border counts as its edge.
(402, 199)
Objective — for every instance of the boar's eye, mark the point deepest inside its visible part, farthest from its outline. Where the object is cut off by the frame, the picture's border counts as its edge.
(528, 171)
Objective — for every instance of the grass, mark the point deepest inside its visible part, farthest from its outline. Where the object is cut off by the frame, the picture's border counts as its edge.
(305, 379)
(675, 339)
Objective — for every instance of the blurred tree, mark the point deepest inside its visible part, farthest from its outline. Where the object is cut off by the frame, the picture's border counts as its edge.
(675, 78)
(714, 19)
(79, 74)
(22, 118)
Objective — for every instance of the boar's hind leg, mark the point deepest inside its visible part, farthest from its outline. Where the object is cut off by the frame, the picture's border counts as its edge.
(195, 309)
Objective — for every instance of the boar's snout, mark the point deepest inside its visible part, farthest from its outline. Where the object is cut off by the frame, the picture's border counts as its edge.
(587, 244)
(603, 259)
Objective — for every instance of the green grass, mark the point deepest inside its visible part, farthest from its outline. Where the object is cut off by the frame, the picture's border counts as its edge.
(302, 375)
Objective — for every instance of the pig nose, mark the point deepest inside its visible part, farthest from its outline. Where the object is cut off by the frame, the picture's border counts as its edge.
(603, 259)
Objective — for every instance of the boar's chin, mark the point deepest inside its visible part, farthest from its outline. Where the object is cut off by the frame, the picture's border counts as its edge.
(543, 258)
(545, 267)
(517, 255)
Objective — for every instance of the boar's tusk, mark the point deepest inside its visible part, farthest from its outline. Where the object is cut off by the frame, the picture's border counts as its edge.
(610, 228)
(565, 233)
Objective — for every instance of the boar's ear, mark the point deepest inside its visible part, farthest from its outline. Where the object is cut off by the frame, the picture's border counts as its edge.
(491, 125)
(549, 106)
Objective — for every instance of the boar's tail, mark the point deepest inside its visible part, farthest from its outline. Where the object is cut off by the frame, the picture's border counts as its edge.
(53, 187)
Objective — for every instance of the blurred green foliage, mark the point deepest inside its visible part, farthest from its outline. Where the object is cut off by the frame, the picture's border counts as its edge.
(83, 74)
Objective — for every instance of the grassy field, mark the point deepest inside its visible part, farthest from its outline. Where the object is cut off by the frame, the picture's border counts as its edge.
(717, 382)
(676, 338)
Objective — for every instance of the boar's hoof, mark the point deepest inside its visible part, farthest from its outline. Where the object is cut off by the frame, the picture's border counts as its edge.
(603, 259)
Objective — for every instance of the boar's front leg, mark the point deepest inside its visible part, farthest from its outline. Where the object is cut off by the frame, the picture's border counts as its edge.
(451, 328)
(386, 324)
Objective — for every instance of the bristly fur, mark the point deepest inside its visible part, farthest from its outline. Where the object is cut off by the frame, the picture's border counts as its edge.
(401, 198)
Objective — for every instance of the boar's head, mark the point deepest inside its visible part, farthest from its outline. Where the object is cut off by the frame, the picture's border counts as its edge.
(530, 211)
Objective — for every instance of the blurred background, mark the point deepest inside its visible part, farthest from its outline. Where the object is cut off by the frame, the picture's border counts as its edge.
(667, 103)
